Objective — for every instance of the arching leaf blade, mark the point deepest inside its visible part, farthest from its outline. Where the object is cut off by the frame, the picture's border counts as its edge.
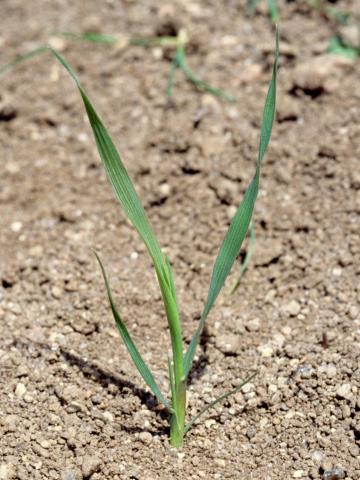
(237, 231)
(118, 176)
(143, 369)
(219, 399)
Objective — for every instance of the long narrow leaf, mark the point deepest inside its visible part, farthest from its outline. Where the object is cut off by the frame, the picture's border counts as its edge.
(249, 253)
(200, 84)
(118, 175)
(92, 37)
(237, 231)
(130, 202)
(133, 351)
(22, 58)
(216, 401)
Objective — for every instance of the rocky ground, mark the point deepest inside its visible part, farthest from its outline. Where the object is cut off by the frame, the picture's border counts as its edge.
(72, 405)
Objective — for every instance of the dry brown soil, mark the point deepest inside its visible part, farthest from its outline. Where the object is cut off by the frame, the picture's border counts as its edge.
(72, 404)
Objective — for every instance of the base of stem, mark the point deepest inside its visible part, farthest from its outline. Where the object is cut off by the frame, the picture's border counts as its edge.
(176, 433)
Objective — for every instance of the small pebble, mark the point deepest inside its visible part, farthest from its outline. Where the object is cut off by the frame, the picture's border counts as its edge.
(145, 437)
(251, 432)
(353, 312)
(304, 370)
(344, 391)
(90, 465)
(36, 251)
(58, 43)
(20, 390)
(68, 475)
(96, 399)
(16, 227)
(6, 472)
(108, 417)
(298, 474)
(253, 325)
(230, 212)
(329, 370)
(317, 456)
(334, 474)
(9, 423)
(345, 410)
(337, 271)
(56, 292)
(209, 423)
(292, 308)
(266, 351)
(228, 343)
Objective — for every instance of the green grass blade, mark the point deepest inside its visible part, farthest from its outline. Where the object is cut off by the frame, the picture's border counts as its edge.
(133, 351)
(130, 202)
(251, 6)
(94, 37)
(338, 47)
(218, 400)
(22, 58)
(91, 37)
(273, 11)
(171, 79)
(249, 253)
(237, 231)
(118, 176)
(172, 383)
(200, 84)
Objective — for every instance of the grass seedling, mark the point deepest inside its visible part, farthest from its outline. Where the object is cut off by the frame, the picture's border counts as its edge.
(338, 46)
(273, 9)
(179, 61)
(180, 363)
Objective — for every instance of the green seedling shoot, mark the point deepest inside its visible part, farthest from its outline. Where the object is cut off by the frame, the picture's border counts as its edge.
(180, 363)
(179, 61)
(273, 9)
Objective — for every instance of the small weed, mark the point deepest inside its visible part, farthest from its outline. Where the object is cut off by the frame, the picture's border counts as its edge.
(179, 61)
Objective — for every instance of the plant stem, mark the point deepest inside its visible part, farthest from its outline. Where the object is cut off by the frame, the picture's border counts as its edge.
(177, 420)
(176, 367)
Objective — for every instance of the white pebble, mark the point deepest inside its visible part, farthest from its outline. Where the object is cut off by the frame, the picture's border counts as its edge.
(298, 474)
(292, 308)
(16, 226)
(145, 437)
(108, 417)
(266, 351)
(344, 391)
(20, 390)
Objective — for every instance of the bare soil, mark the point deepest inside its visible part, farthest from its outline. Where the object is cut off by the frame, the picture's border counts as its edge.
(71, 403)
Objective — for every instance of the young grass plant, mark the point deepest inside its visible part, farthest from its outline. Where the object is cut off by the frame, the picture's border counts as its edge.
(179, 61)
(180, 364)
(273, 9)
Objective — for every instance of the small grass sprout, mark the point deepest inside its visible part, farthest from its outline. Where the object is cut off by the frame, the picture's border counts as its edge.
(179, 62)
(180, 363)
(273, 9)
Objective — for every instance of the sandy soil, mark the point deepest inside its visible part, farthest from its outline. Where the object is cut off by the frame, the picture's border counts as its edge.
(71, 404)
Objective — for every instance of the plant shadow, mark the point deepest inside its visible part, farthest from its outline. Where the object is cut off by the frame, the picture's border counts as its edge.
(199, 366)
(105, 378)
